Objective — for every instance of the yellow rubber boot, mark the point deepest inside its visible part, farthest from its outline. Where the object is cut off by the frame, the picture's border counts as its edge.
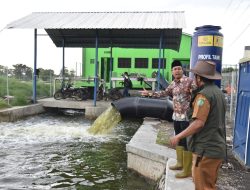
(179, 156)
(187, 165)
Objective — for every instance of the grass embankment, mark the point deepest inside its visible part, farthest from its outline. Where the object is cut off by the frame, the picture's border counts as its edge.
(165, 132)
(21, 92)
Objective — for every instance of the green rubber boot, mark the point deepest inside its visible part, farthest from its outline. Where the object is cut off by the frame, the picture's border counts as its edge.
(187, 165)
(179, 156)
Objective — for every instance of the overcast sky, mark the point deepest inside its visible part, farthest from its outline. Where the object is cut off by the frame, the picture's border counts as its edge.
(17, 45)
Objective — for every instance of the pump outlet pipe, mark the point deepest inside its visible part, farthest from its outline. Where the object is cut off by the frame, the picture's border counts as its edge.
(138, 107)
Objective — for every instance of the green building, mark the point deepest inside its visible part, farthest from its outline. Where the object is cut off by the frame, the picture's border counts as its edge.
(140, 62)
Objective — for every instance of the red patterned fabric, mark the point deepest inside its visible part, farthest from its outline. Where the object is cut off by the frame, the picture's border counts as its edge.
(181, 91)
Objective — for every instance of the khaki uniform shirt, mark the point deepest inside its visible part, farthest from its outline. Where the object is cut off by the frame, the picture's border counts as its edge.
(201, 108)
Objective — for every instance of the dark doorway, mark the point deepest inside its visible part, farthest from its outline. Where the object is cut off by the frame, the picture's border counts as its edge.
(105, 68)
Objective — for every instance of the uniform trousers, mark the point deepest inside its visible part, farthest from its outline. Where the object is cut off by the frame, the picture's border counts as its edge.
(205, 172)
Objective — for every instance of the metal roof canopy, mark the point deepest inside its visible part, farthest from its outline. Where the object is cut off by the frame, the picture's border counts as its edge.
(106, 29)
(116, 29)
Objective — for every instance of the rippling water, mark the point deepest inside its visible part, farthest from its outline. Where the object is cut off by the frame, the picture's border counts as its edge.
(57, 152)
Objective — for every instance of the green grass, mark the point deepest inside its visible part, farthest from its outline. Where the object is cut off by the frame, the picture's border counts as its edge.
(163, 138)
(3, 104)
(22, 91)
(165, 132)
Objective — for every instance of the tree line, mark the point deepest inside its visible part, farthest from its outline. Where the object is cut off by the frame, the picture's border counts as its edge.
(23, 72)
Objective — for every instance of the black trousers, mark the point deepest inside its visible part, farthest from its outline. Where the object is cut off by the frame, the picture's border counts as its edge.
(180, 126)
(125, 92)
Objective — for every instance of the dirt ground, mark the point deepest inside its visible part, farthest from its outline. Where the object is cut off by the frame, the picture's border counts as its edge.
(232, 175)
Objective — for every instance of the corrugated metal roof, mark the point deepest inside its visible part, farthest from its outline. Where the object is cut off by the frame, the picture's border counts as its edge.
(117, 29)
(101, 20)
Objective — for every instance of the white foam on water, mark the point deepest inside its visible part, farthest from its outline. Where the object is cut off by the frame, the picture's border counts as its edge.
(47, 130)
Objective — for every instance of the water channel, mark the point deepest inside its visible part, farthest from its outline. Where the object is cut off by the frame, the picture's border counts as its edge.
(53, 151)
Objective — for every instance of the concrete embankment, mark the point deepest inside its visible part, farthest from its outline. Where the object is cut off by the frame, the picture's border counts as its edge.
(144, 155)
(151, 160)
(15, 113)
(19, 112)
(91, 111)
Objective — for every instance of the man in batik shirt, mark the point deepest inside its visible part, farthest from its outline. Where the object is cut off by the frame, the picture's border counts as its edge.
(180, 90)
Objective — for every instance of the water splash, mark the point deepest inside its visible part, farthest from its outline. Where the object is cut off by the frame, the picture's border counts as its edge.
(51, 151)
(106, 121)
(47, 129)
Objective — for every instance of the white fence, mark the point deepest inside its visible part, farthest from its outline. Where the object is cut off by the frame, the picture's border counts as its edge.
(229, 85)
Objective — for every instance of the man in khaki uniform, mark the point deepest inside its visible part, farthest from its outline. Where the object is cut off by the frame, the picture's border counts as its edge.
(207, 128)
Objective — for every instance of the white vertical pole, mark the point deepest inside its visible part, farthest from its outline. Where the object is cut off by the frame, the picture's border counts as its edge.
(80, 68)
(76, 70)
(35, 64)
(7, 85)
(232, 94)
(54, 88)
(50, 86)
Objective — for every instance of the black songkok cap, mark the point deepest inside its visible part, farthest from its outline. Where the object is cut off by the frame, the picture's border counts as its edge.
(176, 63)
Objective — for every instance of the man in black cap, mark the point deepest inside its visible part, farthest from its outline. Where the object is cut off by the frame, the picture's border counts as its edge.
(180, 90)
(207, 128)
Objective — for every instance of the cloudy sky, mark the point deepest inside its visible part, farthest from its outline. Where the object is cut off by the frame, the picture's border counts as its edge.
(17, 45)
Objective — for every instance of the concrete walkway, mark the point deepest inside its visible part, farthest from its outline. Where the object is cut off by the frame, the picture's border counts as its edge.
(172, 183)
(72, 104)
(91, 111)
(19, 112)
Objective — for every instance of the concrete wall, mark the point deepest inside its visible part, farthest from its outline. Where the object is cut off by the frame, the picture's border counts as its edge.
(94, 112)
(144, 155)
(13, 114)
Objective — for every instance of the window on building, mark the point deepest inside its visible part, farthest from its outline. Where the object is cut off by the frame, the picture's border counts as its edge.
(155, 62)
(124, 62)
(92, 61)
(141, 62)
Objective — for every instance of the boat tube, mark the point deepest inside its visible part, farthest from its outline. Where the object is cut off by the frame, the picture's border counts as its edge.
(139, 107)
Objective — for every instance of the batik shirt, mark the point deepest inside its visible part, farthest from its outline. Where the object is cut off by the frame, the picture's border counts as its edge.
(180, 90)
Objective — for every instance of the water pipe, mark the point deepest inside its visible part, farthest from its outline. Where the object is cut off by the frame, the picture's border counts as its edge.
(138, 107)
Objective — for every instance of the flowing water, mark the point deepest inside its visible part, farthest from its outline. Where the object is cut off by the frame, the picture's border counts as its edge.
(52, 151)
(106, 121)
